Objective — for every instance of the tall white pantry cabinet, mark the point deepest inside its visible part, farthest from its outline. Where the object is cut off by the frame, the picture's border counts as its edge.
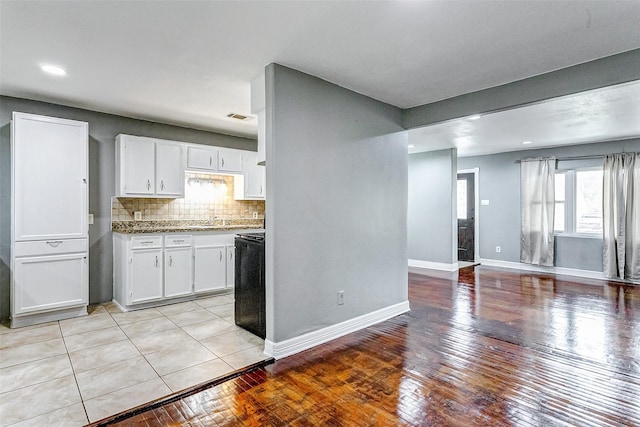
(49, 219)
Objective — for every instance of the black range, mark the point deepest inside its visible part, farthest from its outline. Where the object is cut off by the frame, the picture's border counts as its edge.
(250, 283)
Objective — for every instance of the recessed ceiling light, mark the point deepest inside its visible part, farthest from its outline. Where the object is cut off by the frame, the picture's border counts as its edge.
(411, 146)
(53, 70)
(474, 117)
(527, 142)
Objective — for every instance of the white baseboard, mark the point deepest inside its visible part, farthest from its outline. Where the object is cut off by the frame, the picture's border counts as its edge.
(34, 319)
(285, 348)
(541, 269)
(433, 265)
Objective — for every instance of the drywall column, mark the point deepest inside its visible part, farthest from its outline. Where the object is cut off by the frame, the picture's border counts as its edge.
(431, 218)
(336, 209)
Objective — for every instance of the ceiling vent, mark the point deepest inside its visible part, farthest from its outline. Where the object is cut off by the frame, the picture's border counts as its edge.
(239, 117)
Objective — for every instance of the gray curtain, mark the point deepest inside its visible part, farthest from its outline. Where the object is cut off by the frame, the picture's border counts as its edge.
(537, 199)
(621, 216)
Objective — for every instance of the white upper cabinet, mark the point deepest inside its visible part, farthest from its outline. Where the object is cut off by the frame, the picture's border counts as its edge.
(147, 167)
(139, 169)
(169, 170)
(252, 184)
(49, 177)
(229, 161)
(202, 158)
(214, 159)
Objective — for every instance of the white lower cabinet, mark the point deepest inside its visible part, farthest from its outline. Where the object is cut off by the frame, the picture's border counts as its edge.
(231, 265)
(152, 269)
(210, 268)
(146, 276)
(37, 280)
(178, 272)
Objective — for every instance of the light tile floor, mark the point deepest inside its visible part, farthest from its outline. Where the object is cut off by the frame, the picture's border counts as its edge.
(84, 369)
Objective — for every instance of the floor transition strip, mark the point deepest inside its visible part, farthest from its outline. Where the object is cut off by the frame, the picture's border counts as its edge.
(179, 395)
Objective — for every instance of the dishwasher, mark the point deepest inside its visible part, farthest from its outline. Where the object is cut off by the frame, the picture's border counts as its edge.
(250, 283)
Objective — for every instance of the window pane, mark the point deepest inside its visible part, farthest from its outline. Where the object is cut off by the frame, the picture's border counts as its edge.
(558, 221)
(560, 187)
(462, 199)
(589, 201)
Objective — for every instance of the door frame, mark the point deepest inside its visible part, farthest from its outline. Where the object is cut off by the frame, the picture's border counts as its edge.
(476, 220)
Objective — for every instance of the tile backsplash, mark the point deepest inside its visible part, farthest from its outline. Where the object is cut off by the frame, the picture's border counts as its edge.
(206, 197)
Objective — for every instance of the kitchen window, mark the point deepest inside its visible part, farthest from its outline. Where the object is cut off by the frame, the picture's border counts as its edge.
(579, 202)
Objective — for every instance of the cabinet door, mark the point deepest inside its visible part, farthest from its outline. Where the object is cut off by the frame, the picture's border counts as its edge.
(202, 158)
(169, 170)
(255, 182)
(231, 265)
(178, 272)
(146, 276)
(50, 177)
(209, 268)
(229, 161)
(139, 167)
(50, 282)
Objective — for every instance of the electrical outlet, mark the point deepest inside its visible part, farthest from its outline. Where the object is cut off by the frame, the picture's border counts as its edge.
(137, 216)
(90, 219)
(498, 249)
(255, 215)
(340, 297)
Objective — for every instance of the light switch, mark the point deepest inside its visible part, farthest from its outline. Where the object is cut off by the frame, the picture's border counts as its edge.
(484, 202)
(90, 219)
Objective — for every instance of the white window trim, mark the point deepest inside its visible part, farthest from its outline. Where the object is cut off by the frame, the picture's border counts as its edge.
(570, 204)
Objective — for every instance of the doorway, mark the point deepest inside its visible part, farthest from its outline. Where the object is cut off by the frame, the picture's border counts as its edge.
(466, 213)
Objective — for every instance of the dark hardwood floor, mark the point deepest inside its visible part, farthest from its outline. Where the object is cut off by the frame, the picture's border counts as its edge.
(489, 348)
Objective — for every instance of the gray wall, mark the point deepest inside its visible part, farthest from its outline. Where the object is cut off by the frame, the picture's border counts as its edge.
(431, 223)
(499, 182)
(337, 204)
(102, 131)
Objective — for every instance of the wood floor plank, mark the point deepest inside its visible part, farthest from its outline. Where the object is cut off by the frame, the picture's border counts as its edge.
(485, 347)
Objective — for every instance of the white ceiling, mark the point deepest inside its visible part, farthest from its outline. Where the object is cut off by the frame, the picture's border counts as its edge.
(190, 62)
(599, 115)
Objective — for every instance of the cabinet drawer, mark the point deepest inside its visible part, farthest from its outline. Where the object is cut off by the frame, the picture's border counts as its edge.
(177, 241)
(50, 247)
(143, 242)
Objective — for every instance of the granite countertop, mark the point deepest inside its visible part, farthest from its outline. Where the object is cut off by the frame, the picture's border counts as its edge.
(185, 226)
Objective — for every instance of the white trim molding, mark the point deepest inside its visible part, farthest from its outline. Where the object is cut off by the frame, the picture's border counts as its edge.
(540, 269)
(294, 345)
(476, 214)
(589, 274)
(433, 265)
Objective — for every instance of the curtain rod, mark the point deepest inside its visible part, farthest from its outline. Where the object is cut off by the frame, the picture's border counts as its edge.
(562, 159)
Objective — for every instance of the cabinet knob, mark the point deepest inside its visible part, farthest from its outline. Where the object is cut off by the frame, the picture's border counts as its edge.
(162, 184)
(220, 256)
(223, 162)
(209, 160)
(148, 185)
(170, 261)
(84, 180)
(156, 260)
